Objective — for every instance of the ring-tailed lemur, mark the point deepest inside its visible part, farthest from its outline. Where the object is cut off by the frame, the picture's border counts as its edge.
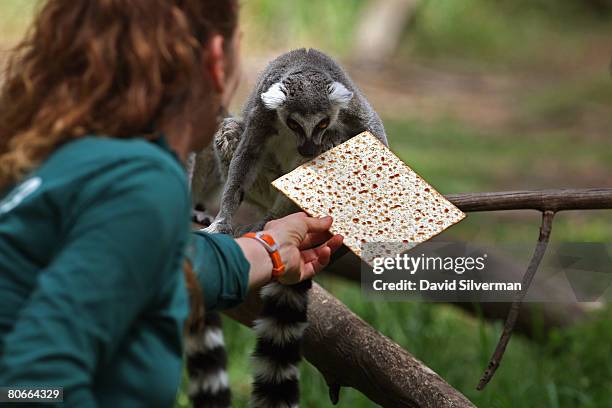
(303, 104)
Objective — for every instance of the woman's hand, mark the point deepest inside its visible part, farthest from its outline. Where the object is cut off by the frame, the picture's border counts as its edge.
(305, 245)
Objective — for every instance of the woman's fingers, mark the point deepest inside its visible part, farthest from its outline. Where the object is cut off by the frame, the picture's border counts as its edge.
(330, 246)
(316, 259)
(315, 238)
(318, 224)
(311, 237)
(335, 242)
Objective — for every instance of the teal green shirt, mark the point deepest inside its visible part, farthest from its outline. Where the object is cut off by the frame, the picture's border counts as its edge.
(92, 295)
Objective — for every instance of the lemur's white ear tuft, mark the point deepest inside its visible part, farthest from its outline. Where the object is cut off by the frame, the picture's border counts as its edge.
(339, 95)
(275, 96)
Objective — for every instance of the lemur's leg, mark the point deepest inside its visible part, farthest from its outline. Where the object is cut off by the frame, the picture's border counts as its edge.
(198, 211)
(242, 171)
(226, 143)
(208, 169)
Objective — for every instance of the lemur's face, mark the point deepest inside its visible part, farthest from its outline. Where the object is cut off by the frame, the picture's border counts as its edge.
(309, 130)
(308, 105)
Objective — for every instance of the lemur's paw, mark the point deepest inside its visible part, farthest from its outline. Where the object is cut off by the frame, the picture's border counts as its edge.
(219, 227)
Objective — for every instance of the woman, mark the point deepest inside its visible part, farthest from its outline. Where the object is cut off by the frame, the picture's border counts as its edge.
(101, 104)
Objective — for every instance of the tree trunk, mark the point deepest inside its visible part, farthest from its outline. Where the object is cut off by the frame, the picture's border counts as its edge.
(349, 352)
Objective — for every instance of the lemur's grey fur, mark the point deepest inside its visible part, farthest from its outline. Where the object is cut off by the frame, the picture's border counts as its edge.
(302, 85)
(310, 88)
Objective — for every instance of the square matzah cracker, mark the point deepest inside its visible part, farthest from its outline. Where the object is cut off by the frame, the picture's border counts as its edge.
(372, 195)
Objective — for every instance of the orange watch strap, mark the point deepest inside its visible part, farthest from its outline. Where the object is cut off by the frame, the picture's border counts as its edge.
(278, 268)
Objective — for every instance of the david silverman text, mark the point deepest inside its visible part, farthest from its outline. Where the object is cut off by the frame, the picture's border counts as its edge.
(463, 285)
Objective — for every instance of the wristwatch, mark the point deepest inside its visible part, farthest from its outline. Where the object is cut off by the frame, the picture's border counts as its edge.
(278, 267)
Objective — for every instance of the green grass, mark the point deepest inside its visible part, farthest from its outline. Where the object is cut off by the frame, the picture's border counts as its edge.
(459, 159)
(455, 159)
(567, 104)
(568, 369)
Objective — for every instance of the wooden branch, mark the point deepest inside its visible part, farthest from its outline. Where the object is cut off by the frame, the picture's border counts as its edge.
(349, 352)
(547, 201)
(542, 200)
(538, 254)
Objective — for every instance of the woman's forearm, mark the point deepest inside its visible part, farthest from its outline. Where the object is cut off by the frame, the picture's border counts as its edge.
(261, 264)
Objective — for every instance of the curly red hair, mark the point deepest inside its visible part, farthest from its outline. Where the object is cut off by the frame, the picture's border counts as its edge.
(105, 67)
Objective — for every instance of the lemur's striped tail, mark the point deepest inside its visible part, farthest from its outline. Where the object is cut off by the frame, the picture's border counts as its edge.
(279, 329)
(206, 365)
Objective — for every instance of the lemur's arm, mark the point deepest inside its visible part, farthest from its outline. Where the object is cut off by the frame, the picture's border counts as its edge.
(360, 116)
(242, 171)
(281, 207)
(208, 169)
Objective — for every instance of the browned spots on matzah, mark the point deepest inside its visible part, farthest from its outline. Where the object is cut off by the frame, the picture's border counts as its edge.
(372, 195)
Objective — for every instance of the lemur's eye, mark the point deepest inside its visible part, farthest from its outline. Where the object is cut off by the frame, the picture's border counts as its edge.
(323, 124)
(293, 125)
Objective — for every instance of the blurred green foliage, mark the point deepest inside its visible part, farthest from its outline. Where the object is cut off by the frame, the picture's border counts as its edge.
(508, 31)
(500, 32)
(286, 24)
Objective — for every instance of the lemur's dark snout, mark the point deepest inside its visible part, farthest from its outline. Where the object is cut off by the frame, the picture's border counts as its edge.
(307, 149)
